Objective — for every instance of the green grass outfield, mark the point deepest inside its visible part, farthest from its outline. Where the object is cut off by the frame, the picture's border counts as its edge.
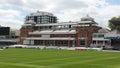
(35, 58)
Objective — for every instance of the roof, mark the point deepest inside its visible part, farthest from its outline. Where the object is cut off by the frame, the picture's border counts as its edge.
(87, 22)
(103, 30)
(67, 23)
(56, 24)
(87, 18)
(39, 13)
(27, 25)
(30, 22)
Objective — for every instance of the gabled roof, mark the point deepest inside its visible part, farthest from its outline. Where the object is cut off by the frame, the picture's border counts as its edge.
(103, 30)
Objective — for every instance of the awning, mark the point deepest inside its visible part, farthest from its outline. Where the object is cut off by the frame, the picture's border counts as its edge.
(100, 39)
(54, 32)
(40, 38)
(9, 40)
(112, 37)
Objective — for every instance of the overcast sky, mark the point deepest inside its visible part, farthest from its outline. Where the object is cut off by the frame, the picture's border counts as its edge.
(13, 12)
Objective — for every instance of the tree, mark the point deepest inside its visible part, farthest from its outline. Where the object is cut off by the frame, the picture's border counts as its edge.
(114, 23)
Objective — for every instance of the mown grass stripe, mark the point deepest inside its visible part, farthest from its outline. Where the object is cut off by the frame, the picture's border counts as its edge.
(86, 61)
(26, 65)
(34, 58)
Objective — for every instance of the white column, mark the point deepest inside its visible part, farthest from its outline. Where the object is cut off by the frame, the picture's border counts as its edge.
(43, 42)
(96, 43)
(104, 42)
(54, 42)
(32, 42)
(68, 43)
(26, 41)
(73, 43)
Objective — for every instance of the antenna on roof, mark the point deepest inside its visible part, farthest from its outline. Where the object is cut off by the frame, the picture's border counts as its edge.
(87, 15)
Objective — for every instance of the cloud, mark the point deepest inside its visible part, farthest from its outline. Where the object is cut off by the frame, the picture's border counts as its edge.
(10, 18)
(106, 13)
(65, 10)
(73, 4)
(11, 2)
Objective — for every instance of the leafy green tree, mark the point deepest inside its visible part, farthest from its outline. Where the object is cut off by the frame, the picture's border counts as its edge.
(114, 23)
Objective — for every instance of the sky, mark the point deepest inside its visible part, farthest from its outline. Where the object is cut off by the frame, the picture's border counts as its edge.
(13, 12)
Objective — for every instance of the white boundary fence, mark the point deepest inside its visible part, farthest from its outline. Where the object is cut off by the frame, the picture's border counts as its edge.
(57, 47)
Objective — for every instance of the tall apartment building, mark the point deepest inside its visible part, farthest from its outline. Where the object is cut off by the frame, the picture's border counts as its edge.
(41, 17)
(42, 29)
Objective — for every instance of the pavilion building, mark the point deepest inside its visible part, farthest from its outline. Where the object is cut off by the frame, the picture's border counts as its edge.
(42, 29)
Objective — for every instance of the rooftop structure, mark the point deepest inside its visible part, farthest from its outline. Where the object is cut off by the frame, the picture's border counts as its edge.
(87, 18)
(40, 17)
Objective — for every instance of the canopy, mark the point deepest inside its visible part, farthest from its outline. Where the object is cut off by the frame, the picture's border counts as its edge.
(113, 35)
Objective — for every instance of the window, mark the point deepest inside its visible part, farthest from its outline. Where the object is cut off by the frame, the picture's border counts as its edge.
(100, 42)
(63, 42)
(100, 35)
(50, 42)
(41, 42)
(94, 35)
(82, 42)
(94, 42)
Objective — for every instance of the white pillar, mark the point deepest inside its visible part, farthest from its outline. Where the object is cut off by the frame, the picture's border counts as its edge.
(54, 43)
(68, 43)
(96, 43)
(73, 43)
(43, 42)
(104, 42)
(32, 42)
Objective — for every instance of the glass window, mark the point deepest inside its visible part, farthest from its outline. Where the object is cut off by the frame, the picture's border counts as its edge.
(100, 35)
(100, 42)
(82, 42)
(94, 42)
(95, 35)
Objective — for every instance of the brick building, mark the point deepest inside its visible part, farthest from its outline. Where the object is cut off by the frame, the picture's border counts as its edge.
(48, 32)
